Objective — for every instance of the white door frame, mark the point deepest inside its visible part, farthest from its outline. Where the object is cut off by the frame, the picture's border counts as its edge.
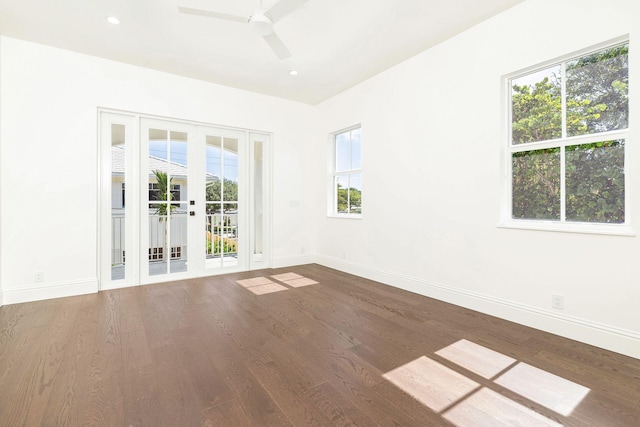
(136, 266)
(105, 121)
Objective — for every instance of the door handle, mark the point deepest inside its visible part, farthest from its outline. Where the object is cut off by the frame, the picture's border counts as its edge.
(192, 213)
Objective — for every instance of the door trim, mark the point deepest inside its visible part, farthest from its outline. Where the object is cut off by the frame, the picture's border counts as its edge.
(133, 198)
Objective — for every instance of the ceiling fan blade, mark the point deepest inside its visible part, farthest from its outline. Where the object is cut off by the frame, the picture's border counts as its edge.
(207, 13)
(283, 8)
(277, 46)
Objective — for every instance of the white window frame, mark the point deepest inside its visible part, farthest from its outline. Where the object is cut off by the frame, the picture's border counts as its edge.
(506, 217)
(331, 195)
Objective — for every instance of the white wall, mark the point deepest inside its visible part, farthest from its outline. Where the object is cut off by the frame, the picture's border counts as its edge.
(1, 123)
(49, 147)
(432, 158)
(432, 183)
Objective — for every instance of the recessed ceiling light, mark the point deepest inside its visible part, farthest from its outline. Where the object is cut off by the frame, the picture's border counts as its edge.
(293, 72)
(113, 20)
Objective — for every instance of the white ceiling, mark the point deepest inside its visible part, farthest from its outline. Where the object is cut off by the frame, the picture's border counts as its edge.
(335, 44)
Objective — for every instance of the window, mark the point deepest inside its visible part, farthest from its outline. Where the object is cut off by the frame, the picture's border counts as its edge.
(154, 191)
(568, 128)
(347, 172)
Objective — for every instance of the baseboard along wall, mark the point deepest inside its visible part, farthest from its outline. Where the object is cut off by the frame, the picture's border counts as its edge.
(600, 335)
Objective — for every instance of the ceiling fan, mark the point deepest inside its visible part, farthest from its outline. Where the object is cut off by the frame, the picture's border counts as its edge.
(261, 21)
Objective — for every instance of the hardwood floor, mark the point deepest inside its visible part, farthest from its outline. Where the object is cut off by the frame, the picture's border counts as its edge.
(342, 351)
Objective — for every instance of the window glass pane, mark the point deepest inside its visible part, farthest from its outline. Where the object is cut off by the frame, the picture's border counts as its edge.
(342, 194)
(158, 237)
(257, 197)
(346, 186)
(355, 193)
(536, 106)
(177, 167)
(213, 155)
(595, 182)
(167, 239)
(597, 92)
(177, 244)
(160, 134)
(356, 149)
(213, 229)
(227, 188)
(118, 161)
(228, 246)
(343, 145)
(230, 170)
(536, 184)
(178, 136)
(222, 233)
(158, 167)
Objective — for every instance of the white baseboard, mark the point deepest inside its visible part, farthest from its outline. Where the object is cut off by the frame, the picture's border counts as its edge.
(49, 291)
(292, 261)
(601, 335)
(1, 299)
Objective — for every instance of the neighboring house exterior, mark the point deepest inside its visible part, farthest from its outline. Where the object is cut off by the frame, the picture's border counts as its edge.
(178, 222)
(177, 172)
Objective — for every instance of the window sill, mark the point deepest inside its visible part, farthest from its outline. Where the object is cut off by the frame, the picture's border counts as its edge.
(344, 216)
(570, 227)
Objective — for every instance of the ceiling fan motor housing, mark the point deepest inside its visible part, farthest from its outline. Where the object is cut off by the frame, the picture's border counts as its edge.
(260, 23)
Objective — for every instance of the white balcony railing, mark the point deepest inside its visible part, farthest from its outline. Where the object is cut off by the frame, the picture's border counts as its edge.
(221, 232)
(159, 230)
(222, 235)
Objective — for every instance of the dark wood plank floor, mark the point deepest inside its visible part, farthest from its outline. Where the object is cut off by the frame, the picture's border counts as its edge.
(209, 352)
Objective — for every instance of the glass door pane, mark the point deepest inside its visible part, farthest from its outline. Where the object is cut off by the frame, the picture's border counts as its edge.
(118, 208)
(221, 201)
(118, 182)
(168, 203)
(258, 203)
(258, 200)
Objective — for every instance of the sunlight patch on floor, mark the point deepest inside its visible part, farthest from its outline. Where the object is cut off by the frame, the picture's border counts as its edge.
(261, 285)
(551, 391)
(488, 408)
(264, 285)
(431, 383)
(255, 281)
(464, 402)
(286, 276)
(267, 289)
(476, 358)
(298, 283)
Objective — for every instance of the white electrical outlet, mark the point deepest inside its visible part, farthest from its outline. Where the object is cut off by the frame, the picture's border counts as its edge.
(39, 276)
(557, 302)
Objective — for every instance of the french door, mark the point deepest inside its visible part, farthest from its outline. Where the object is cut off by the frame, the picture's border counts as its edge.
(183, 200)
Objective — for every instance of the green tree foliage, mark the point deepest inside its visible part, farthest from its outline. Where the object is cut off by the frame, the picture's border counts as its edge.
(163, 209)
(598, 91)
(164, 184)
(349, 199)
(220, 245)
(215, 190)
(536, 112)
(595, 182)
(596, 101)
(536, 184)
